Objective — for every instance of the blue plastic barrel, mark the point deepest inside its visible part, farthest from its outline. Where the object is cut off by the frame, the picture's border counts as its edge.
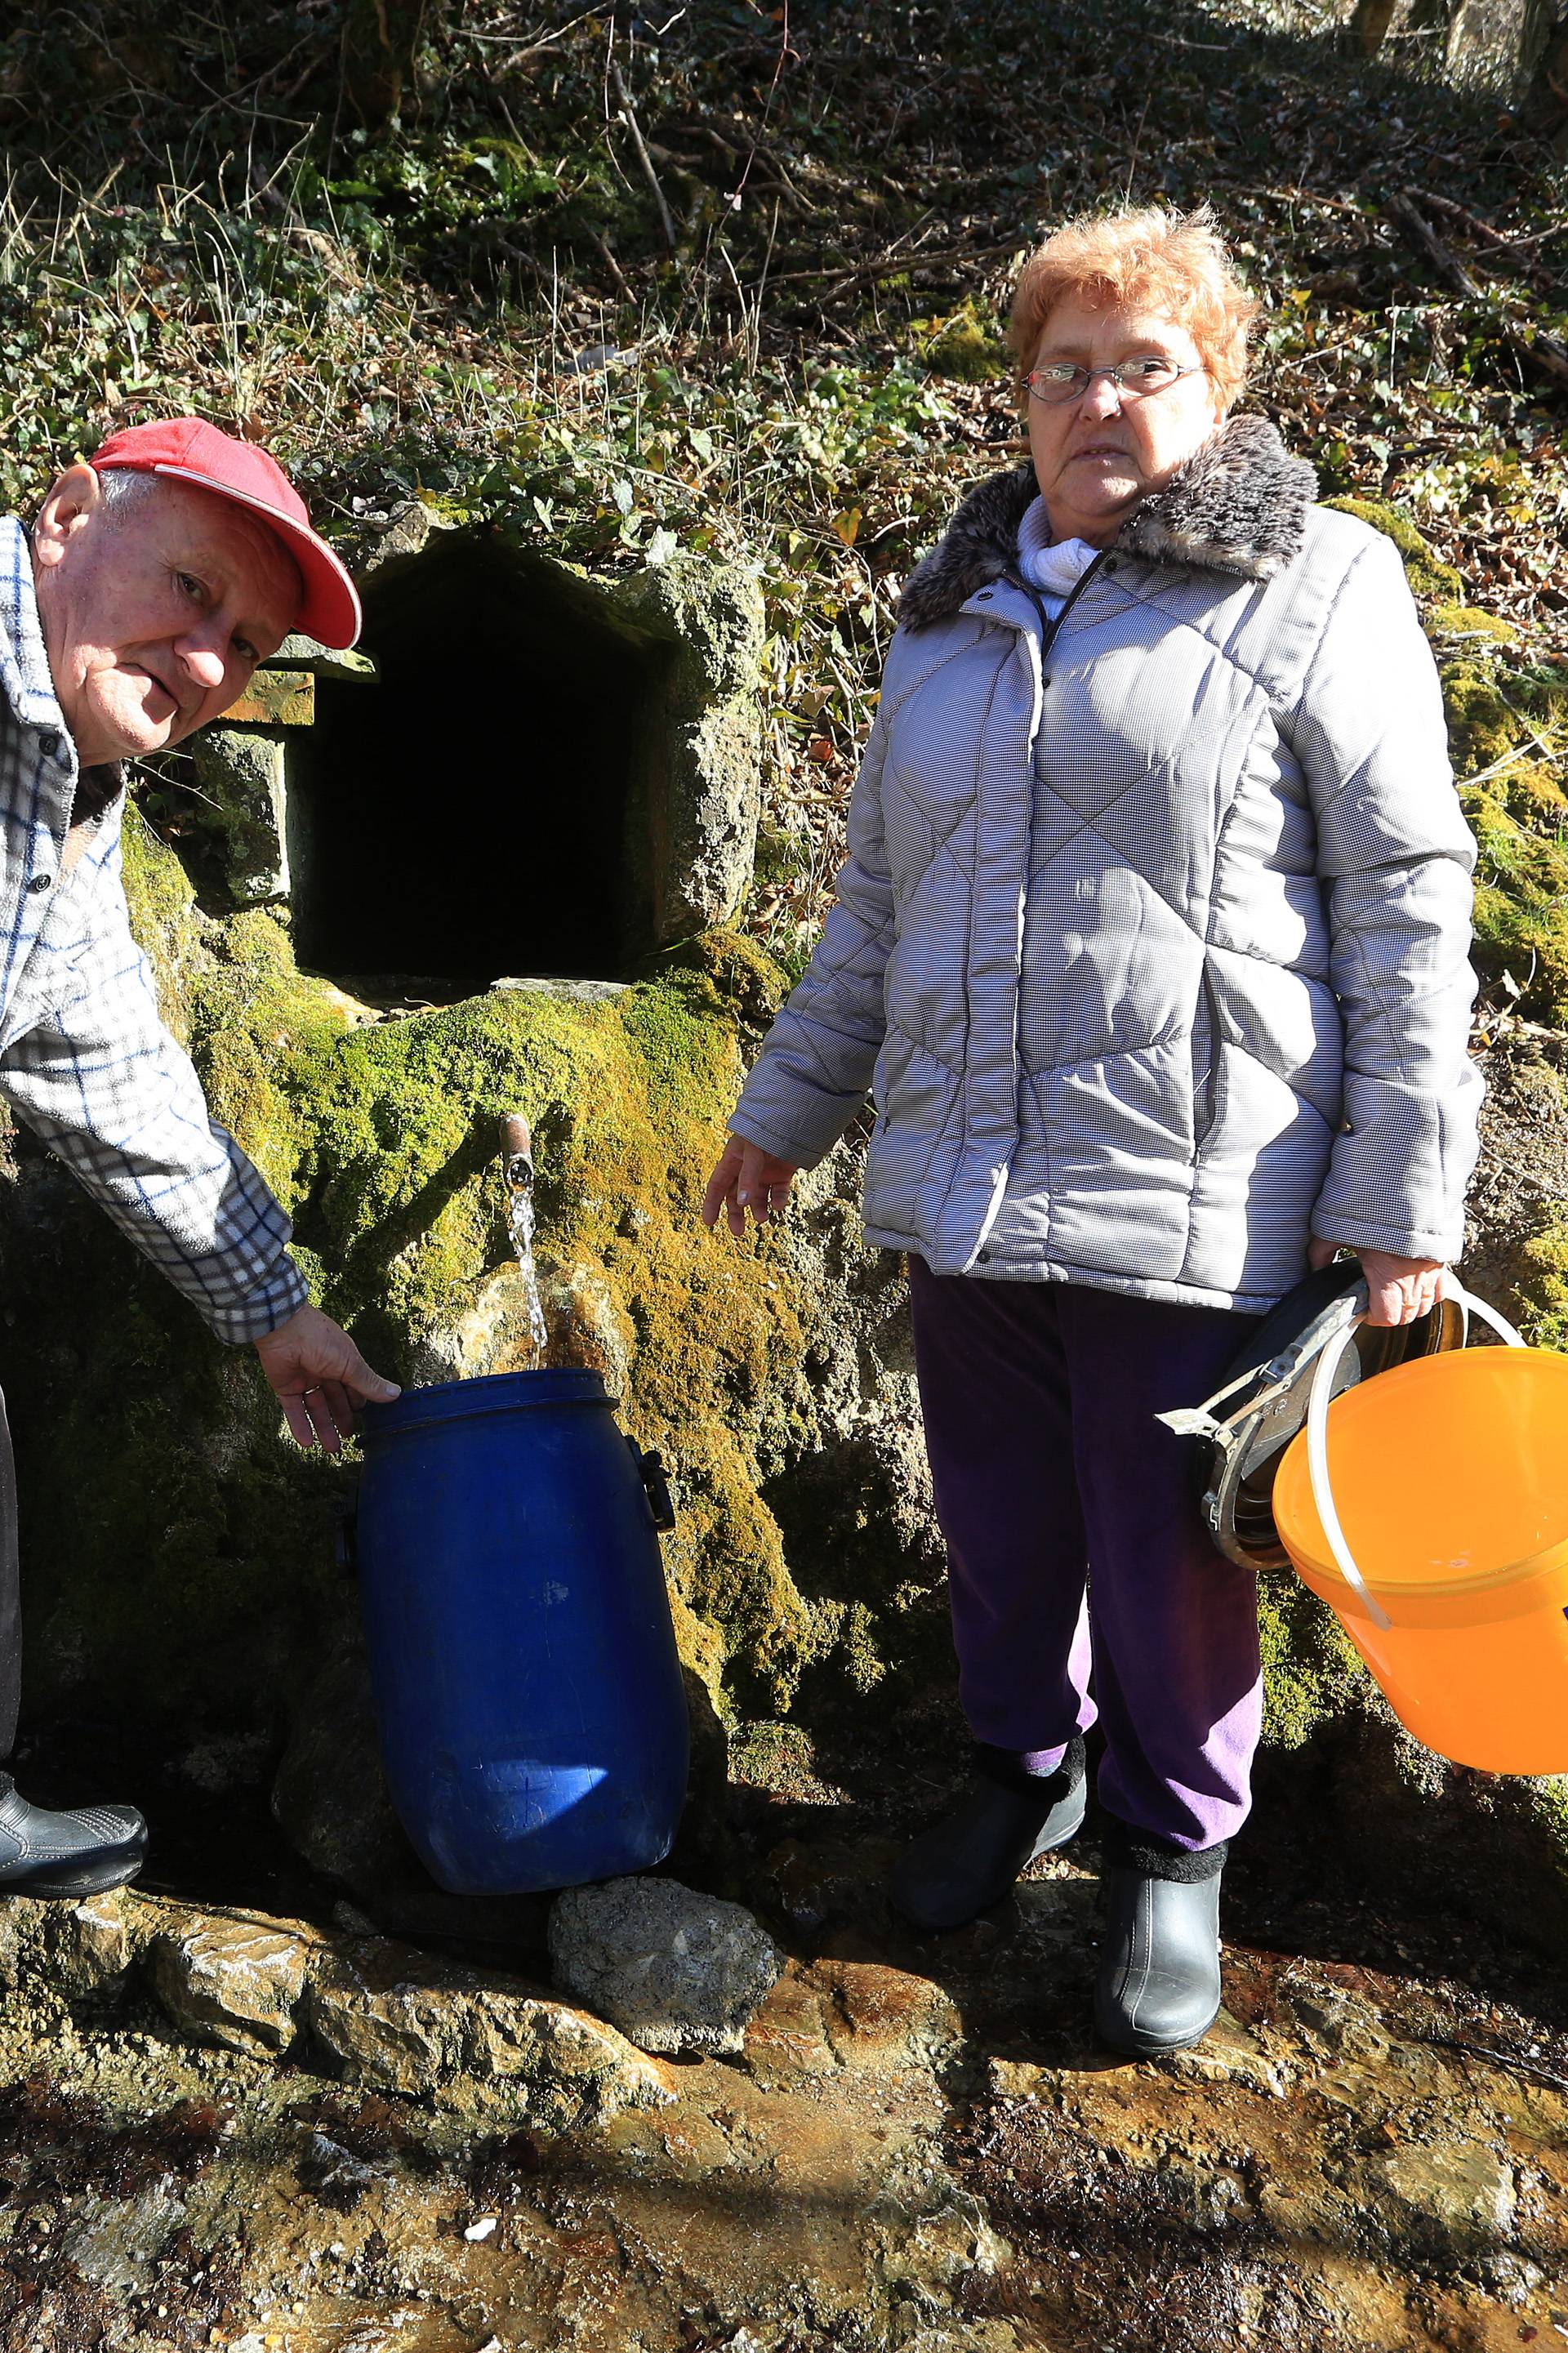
(528, 1697)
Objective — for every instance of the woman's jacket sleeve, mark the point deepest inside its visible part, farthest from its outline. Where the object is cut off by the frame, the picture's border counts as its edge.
(1394, 856)
(816, 1062)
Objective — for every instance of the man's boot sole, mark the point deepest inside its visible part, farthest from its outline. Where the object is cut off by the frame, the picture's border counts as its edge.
(93, 1875)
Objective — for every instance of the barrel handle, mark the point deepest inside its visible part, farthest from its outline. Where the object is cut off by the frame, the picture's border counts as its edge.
(347, 1538)
(655, 1485)
(1318, 1435)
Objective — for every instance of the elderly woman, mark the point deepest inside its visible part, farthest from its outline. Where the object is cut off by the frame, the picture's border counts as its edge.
(1152, 947)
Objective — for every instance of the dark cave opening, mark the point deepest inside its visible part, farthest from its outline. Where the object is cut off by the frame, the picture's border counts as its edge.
(480, 810)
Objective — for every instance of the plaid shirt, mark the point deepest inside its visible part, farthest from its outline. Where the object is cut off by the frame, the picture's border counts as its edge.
(84, 1057)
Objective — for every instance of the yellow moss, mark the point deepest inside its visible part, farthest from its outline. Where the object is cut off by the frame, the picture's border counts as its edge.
(1471, 621)
(964, 344)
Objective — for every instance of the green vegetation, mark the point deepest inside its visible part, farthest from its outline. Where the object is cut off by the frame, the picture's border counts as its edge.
(455, 280)
(450, 276)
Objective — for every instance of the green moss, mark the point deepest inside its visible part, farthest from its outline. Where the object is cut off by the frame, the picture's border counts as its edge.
(1470, 621)
(1312, 1674)
(1546, 1296)
(963, 345)
(194, 1566)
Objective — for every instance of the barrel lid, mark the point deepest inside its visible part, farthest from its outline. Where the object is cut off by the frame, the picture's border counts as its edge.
(490, 1393)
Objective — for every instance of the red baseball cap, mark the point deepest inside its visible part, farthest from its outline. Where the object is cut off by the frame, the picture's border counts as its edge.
(188, 450)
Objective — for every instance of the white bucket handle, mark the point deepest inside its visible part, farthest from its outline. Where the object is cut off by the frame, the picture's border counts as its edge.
(1318, 1434)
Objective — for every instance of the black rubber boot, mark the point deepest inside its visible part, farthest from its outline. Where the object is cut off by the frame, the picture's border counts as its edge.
(80, 1851)
(1158, 1987)
(969, 1861)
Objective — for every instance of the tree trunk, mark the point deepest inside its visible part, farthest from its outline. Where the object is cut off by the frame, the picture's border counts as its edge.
(381, 39)
(1370, 22)
(1544, 108)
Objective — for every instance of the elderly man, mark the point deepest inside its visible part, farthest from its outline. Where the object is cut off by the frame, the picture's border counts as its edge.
(157, 576)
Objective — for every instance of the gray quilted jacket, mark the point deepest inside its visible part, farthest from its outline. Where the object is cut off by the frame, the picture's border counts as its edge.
(1152, 941)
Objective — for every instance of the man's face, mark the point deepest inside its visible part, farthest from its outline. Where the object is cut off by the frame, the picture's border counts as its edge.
(156, 612)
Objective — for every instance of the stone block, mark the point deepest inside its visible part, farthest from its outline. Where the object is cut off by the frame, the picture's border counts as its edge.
(240, 776)
(676, 1970)
(275, 698)
(94, 1946)
(234, 1979)
(405, 2021)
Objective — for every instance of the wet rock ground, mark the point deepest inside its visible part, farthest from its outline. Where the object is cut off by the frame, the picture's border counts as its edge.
(284, 2133)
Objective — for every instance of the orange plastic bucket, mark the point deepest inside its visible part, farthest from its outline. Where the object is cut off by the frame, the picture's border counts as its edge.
(1438, 1535)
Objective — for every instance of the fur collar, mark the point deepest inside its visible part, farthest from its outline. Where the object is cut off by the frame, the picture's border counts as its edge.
(1240, 506)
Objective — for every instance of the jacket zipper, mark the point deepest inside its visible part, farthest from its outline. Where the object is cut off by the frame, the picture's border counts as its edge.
(1048, 628)
(1205, 1090)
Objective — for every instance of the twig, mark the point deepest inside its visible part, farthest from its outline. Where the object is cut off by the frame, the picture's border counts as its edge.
(1507, 2059)
(786, 52)
(628, 116)
(892, 267)
(1484, 228)
(611, 264)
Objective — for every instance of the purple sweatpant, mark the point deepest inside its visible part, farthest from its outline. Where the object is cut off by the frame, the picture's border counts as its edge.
(1050, 1472)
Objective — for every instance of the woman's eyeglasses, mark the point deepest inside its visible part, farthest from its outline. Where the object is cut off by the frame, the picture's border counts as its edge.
(1062, 380)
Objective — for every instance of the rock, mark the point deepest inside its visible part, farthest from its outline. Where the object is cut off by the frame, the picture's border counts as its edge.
(786, 2042)
(94, 1946)
(404, 2021)
(330, 1800)
(116, 2241)
(240, 775)
(674, 1969)
(1231, 2053)
(1453, 2199)
(886, 2020)
(929, 2236)
(21, 1928)
(1344, 2023)
(568, 992)
(492, 1334)
(234, 1979)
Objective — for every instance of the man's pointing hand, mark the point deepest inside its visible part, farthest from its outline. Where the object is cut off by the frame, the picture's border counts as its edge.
(320, 1376)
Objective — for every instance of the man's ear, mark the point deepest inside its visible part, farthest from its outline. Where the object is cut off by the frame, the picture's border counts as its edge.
(76, 498)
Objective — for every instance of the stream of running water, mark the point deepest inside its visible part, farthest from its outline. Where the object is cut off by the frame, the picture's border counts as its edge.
(517, 1164)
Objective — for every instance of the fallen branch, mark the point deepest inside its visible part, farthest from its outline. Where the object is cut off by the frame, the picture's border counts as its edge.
(628, 116)
(1543, 350)
(893, 268)
(1514, 2061)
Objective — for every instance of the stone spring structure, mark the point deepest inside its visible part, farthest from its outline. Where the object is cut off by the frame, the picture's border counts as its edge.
(586, 748)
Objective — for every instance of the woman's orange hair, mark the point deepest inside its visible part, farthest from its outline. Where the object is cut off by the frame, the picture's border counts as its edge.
(1151, 260)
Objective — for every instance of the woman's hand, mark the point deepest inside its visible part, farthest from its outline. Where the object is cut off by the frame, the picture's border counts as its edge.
(747, 1177)
(1400, 1289)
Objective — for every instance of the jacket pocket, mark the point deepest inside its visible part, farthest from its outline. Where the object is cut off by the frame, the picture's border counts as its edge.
(1205, 1060)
